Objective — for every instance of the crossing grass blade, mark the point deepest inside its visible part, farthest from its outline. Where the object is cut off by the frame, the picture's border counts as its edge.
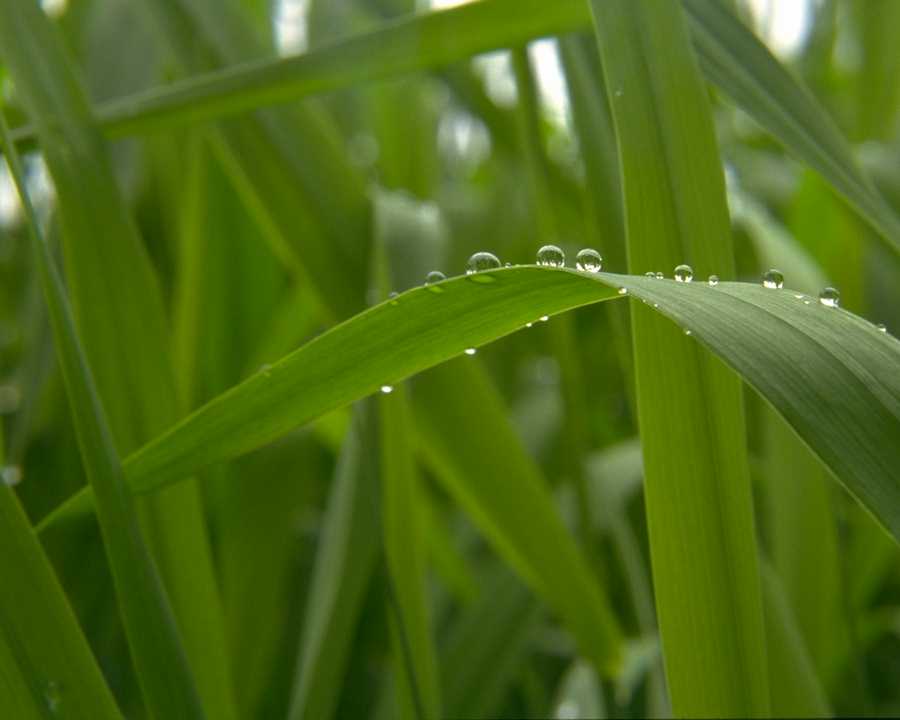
(690, 407)
(120, 313)
(163, 670)
(728, 52)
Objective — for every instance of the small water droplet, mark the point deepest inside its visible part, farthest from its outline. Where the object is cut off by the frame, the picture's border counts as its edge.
(387, 389)
(881, 327)
(623, 291)
(660, 276)
(687, 332)
(773, 279)
(11, 475)
(481, 261)
(588, 260)
(684, 273)
(435, 276)
(650, 274)
(551, 256)
(656, 305)
(544, 318)
(392, 294)
(470, 351)
(830, 297)
(528, 325)
(713, 280)
(52, 696)
(619, 92)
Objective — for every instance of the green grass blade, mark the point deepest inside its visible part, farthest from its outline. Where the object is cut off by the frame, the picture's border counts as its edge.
(690, 407)
(347, 554)
(729, 54)
(743, 67)
(121, 319)
(825, 370)
(405, 555)
(163, 671)
(46, 665)
(502, 490)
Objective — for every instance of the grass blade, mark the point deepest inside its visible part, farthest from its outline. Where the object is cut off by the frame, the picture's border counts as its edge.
(690, 407)
(121, 319)
(163, 670)
(797, 356)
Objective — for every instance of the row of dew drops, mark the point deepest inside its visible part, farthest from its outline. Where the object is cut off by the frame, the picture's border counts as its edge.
(589, 260)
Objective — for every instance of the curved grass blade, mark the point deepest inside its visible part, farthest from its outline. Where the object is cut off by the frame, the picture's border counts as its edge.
(831, 374)
(159, 657)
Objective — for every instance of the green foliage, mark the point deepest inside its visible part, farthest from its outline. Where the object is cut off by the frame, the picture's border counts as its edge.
(628, 510)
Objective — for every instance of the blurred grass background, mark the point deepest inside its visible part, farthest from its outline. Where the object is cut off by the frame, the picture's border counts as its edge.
(497, 152)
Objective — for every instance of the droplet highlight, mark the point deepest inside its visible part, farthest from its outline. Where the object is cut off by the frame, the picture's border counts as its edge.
(684, 273)
(830, 297)
(773, 279)
(481, 261)
(470, 351)
(551, 256)
(588, 260)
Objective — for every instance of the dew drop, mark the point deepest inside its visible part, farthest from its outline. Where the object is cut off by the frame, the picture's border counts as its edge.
(470, 351)
(481, 261)
(11, 475)
(551, 256)
(773, 279)
(392, 294)
(687, 332)
(650, 274)
(881, 327)
(387, 389)
(713, 280)
(588, 260)
(544, 318)
(528, 325)
(830, 297)
(660, 276)
(623, 291)
(684, 273)
(435, 276)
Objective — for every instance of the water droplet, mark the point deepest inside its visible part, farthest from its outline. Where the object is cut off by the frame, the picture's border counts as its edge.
(544, 318)
(687, 332)
(470, 351)
(588, 260)
(806, 302)
(551, 256)
(623, 291)
(684, 273)
(713, 280)
(507, 264)
(52, 696)
(481, 261)
(11, 475)
(265, 370)
(830, 297)
(434, 276)
(528, 325)
(619, 92)
(773, 279)
(660, 276)
(881, 327)
(387, 389)
(656, 305)
(392, 294)
(650, 274)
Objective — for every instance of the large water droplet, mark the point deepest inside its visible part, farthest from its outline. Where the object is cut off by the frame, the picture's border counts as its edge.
(387, 389)
(470, 351)
(684, 273)
(481, 261)
(829, 297)
(551, 256)
(773, 279)
(588, 260)
(713, 280)
(435, 276)
(11, 475)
